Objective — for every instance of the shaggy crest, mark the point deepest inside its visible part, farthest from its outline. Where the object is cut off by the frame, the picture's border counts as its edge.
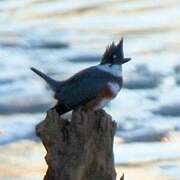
(114, 54)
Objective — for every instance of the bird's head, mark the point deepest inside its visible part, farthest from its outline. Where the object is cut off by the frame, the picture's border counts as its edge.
(114, 54)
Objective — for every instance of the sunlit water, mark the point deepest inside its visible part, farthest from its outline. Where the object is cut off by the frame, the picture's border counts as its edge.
(62, 37)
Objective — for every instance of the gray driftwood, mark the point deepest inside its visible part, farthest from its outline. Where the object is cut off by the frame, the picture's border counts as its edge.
(79, 149)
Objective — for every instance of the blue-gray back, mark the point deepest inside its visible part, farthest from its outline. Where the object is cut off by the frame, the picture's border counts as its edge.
(84, 86)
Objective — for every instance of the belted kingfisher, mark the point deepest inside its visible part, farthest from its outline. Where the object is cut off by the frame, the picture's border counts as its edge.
(92, 87)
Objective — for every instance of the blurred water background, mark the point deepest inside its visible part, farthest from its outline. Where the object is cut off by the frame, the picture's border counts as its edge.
(62, 37)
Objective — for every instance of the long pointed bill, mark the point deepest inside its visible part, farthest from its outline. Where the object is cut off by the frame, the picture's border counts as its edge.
(125, 60)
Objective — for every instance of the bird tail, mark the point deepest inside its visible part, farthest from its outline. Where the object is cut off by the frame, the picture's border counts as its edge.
(51, 82)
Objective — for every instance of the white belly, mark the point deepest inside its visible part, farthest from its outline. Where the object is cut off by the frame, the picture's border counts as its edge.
(103, 103)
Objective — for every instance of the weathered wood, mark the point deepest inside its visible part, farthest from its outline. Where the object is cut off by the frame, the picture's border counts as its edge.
(79, 149)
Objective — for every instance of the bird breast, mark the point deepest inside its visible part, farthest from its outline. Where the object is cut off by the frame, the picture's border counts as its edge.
(114, 88)
(108, 94)
(110, 91)
(105, 96)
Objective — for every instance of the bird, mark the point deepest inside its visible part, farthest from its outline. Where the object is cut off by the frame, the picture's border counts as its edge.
(91, 88)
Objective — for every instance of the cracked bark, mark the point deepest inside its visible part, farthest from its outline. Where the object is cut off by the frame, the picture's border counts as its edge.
(79, 149)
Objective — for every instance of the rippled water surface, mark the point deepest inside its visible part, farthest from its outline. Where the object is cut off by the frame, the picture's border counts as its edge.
(62, 37)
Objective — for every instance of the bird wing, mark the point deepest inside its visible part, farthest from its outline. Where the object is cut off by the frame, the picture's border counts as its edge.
(82, 87)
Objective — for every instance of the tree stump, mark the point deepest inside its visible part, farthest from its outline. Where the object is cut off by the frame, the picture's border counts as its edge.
(79, 149)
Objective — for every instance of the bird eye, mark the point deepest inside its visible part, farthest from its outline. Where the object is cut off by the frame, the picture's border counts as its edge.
(115, 56)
